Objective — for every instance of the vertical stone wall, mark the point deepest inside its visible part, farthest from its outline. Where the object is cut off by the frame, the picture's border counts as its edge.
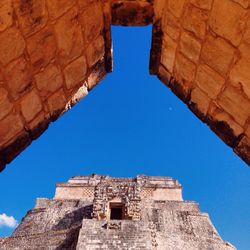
(52, 54)
(127, 193)
(202, 54)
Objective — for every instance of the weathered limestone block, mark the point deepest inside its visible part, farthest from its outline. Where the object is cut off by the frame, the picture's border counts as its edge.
(159, 7)
(219, 49)
(91, 20)
(38, 125)
(243, 3)
(243, 148)
(10, 126)
(200, 101)
(1, 78)
(75, 72)
(190, 47)
(70, 43)
(57, 103)
(195, 20)
(49, 80)
(6, 12)
(232, 131)
(176, 7)
(96, 75)
(239, 74)
(5, 104)
(12, 45)
(184, 69)
(231, 14)
(95, 51)
(58, 8)
(41, 48)
(170, 25)
(132, 12)
(85, 3)
(31, 105)
(19, 77)
(229, 99)
(32, 15)
(168, 53)
(202, 4)
(209, 81)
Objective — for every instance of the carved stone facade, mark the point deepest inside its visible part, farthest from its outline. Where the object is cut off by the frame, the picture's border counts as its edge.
(200, 50)
(82, 220)
(126, 193)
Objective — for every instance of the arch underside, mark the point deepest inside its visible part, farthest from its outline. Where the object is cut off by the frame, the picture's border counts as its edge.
(50, 58)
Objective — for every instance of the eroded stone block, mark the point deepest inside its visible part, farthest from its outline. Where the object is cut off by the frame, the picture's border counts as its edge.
(171, 25)
(95, 51)
(228, 19)
(240, 74)
(232, 130)
(200, 100)
(218, 54)
(168, 53)
(6, 12)
(69, 36)
(58, 8)
(92, 19)
(243, 149)
(243, 3)
(49, 80)
(195, 20)
(57, 103)
(184, 69)
(202, 4)
(19, 77)
(32, 15)
(132, 13)
(12, 45)
(10, 127)
(190, 47)
(176, 7)
(41, 48)
(75, 73)
(209, 81)
(5, 104)
(229, 101)
(31, 105)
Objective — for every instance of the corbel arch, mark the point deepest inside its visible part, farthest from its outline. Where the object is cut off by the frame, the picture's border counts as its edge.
(54, 52)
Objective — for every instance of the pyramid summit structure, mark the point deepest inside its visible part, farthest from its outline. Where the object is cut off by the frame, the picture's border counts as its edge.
(101, 212)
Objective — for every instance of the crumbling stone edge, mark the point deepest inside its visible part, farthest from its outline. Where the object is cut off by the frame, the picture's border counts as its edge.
(238, 143)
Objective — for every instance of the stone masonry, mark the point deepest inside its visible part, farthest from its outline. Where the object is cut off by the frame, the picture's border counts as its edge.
(54, 52)
(153, 216)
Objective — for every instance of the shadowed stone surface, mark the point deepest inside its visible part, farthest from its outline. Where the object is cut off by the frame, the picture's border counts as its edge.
(153, 217)
(50, 54)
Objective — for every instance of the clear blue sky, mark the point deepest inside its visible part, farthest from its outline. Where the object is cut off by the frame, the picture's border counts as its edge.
(132, 124)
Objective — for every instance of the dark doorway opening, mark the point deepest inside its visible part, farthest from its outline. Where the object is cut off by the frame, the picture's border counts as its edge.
(116, 211)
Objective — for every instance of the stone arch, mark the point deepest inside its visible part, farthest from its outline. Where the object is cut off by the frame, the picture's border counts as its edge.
(50, 58)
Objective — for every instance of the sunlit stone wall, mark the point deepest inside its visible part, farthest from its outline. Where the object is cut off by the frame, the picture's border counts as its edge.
(205, 59)
(53, 52)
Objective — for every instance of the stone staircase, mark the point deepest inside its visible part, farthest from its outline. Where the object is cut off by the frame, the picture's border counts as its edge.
(122, 235)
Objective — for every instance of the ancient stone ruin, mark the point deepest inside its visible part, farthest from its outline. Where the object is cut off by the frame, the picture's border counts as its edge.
(54, 52)
(100, 212)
